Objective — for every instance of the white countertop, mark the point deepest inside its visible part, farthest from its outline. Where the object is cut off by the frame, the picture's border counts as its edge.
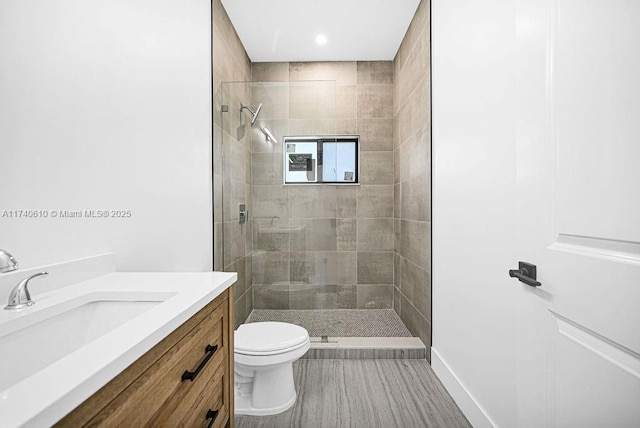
(47, 395)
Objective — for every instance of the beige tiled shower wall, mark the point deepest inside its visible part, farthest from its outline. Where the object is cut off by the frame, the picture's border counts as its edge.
(324, 247)
(412, 177)
(364, 246)
(231, 64)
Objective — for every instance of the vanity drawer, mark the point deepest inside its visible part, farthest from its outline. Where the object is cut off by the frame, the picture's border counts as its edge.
(161, 390)
(204, 402)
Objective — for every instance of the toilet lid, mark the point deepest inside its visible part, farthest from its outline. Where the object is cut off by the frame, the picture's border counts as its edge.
(268, 337)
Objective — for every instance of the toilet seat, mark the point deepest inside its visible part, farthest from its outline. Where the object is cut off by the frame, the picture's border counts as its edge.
(269, 338)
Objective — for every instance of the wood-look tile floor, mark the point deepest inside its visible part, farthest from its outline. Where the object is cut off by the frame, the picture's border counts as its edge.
(364, 393)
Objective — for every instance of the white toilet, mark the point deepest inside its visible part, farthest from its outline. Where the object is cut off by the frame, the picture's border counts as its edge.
(264, 354)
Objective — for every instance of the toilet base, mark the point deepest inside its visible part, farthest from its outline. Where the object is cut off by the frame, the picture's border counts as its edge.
(265, 390)
(243, 407)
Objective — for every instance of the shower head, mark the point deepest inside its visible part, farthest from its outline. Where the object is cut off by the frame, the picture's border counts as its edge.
(268, 135)
(254, 113)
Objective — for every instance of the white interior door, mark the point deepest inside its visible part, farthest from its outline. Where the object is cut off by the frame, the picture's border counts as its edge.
(578, 175)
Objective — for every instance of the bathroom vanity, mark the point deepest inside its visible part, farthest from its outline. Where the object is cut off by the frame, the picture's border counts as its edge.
(106, 348)
(185, 380)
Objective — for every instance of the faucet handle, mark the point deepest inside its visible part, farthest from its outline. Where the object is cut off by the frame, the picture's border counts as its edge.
(20, 296)
(7, 262)
(26, 289)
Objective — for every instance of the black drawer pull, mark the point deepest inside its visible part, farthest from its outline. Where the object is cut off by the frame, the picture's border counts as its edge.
(209, 350)
(211, 414)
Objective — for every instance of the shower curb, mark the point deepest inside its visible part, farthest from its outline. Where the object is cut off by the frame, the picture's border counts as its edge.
(367, 348)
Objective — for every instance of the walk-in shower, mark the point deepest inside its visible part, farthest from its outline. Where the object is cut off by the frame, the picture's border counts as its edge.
(318, 255)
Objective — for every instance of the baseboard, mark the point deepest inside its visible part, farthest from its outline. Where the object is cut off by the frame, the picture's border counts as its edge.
(467, 403)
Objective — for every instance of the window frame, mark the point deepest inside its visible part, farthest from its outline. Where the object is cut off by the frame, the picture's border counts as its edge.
(320, 140)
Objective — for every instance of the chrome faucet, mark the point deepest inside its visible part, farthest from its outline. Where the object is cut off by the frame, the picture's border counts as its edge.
(7, 262)
(20, 297)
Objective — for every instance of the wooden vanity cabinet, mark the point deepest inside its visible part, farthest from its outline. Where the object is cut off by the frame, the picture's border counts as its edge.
(184, 381)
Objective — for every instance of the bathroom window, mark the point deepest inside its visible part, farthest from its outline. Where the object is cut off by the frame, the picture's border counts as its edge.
(316, 160)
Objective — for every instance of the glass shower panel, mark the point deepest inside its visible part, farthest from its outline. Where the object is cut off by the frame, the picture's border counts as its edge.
(294, 243)
(234, 134)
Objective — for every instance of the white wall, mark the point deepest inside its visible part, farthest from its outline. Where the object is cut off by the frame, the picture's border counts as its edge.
(474, 208)
(107, 105)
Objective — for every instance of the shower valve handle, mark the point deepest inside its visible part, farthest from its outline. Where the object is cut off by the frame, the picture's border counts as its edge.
(243, 213)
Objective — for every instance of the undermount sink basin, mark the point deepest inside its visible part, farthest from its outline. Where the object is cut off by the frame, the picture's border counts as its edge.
(36, 338)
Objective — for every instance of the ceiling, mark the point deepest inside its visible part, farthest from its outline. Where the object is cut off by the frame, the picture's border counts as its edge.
(286, 30)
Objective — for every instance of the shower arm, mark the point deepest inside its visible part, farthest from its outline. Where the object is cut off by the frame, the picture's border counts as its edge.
(254, 114)
(242, 107)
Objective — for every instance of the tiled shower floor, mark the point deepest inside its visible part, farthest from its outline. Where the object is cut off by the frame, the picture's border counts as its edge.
(339, 322)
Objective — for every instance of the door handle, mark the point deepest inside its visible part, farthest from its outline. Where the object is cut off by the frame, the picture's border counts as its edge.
(526, 273)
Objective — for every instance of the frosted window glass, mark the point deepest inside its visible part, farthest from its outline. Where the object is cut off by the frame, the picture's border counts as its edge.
(339, 162)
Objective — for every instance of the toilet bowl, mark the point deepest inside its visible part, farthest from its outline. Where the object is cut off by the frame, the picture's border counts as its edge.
(264, 354)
